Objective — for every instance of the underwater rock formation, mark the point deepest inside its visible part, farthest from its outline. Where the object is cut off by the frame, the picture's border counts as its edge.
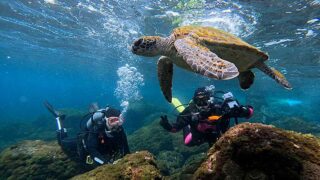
(169, 148)
(45, 160)
(246, 151)
(36, 160)
(257, 151)
(139, 165)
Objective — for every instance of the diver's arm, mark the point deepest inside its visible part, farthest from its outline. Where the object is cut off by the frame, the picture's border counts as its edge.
(164, 122)
(246, 111)
(182, 121)
(242, 111)
(92, 145)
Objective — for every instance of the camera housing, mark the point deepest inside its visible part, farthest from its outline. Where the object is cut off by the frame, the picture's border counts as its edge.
(229, 100)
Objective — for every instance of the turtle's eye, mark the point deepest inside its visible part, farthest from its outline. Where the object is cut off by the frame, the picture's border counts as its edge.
(137, 43)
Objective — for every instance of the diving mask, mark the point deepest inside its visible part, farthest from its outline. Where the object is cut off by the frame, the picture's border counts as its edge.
(202, 103)
(114, 122)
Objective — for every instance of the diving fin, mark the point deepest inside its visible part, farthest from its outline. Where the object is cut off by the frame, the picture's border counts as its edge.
(59, 117)
(177, 104)
(93, 107)
(51, 109)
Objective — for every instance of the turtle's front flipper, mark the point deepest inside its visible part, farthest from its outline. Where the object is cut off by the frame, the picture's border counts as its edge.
(201, 60)
(165, 71)
(274, 74)
(246, 79)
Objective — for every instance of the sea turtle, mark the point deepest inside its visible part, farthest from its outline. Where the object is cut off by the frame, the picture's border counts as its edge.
(207, 51)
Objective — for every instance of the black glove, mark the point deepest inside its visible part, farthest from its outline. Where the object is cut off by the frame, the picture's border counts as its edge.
(241, 111)
(247, 111)
(164, 122)
(235, 111)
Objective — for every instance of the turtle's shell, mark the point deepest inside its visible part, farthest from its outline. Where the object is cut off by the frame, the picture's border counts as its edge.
(225, 45)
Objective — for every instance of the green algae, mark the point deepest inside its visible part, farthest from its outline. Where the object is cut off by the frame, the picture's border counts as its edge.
(36, 160)
(136, 166)
(165, 146)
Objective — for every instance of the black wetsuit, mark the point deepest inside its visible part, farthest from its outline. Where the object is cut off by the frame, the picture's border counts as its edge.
(197, 128)
(102, 145)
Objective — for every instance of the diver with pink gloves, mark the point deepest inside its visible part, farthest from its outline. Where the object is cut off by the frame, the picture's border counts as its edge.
(207, 116)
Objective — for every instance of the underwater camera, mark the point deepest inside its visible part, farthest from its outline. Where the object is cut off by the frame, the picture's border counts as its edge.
(228, 99)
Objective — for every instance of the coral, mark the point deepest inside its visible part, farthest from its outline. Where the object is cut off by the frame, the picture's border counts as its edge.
(36, 160)
(256, 151)
(136, 166)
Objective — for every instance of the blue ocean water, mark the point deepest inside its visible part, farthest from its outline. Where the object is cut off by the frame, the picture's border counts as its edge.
(76, 52)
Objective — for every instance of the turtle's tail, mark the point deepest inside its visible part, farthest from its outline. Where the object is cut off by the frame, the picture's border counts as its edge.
(274, 74)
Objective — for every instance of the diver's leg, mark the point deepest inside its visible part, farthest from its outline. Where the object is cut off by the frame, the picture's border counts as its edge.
(187, 135)
(61, 131)
(191, 138)
(70, 147)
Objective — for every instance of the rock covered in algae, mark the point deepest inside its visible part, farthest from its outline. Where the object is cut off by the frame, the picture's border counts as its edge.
(136, 166)
(256, 151)
(36, 160)
(169, 148)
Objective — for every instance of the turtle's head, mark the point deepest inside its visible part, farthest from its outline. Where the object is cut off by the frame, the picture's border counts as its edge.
(146, 46)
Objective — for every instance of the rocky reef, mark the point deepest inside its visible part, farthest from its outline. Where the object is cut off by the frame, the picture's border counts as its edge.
(136, 166)
(46, 160)
(246, 151)
(256, 151)
(168, 148)
(36, 160)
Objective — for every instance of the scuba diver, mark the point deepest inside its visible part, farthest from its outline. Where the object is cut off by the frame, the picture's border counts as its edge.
(101, 141)
(207, 116)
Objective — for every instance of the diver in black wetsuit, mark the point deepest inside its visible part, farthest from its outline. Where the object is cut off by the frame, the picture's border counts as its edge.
(206, 118)
(102, 141)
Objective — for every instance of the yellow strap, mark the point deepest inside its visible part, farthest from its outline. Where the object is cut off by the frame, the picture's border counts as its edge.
(89, 160)
(177, 104)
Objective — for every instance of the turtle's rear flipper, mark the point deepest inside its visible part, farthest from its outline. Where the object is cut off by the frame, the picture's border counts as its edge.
(201, 60)
(165, 72)
(246, 79)
(274, 74)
